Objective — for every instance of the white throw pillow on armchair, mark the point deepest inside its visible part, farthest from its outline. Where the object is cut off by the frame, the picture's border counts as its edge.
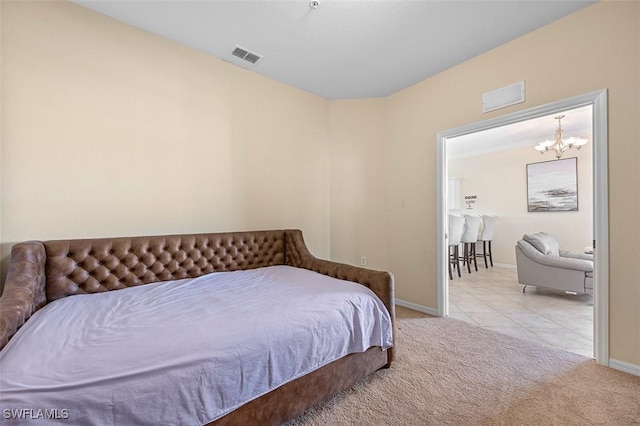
(544, 242)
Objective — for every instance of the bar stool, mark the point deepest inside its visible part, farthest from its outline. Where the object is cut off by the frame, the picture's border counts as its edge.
(486, 236)
(469, 239)
(454, 234)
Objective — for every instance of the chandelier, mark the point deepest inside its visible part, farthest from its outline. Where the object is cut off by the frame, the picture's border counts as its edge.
(560, 145)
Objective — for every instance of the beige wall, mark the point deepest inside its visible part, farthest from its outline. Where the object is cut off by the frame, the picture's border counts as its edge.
(499, 180)
(596, 48)
(358, 176)
(110, 131)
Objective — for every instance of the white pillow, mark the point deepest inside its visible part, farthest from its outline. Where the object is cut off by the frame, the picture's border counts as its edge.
(544, 242)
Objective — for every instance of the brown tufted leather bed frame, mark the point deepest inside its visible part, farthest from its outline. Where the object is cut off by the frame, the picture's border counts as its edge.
(41, 272)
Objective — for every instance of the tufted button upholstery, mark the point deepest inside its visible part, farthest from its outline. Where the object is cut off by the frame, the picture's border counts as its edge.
(42, 272)
(97, 265)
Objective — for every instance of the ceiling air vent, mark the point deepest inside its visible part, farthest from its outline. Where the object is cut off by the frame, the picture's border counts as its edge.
(246, 55)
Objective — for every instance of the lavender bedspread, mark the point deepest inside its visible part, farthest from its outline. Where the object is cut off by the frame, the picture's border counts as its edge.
(184, 352)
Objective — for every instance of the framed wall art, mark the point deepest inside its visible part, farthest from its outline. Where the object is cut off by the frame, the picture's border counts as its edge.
(552, 186)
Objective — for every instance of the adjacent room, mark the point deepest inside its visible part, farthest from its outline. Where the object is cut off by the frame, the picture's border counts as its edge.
(167, 167)
(492, 173)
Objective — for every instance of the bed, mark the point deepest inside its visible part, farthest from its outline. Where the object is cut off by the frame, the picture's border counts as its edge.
(233, 328)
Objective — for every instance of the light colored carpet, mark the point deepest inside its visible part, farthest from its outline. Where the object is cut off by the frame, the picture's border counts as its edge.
(449, 372)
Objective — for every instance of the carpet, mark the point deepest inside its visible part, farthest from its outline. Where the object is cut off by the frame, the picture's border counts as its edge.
(449, 372)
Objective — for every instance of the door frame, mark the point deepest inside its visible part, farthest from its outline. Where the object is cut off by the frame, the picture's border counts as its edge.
(598, 101)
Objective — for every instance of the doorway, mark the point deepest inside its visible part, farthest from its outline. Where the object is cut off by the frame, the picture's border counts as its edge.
(597, 100)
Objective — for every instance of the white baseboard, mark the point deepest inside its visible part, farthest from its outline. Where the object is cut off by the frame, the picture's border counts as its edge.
(625, 366)
(416, 307)
(505, 265)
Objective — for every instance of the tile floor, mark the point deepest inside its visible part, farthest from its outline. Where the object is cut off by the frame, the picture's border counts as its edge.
(492, 298)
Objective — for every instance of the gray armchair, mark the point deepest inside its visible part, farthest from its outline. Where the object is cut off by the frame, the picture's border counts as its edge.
(542, 263)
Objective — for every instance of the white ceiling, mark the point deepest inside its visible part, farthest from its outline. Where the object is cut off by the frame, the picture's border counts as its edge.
(342, 49)
(576, 122)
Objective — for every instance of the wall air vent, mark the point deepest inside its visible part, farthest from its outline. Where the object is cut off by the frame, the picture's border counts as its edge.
(503, 97)
(243, 53)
